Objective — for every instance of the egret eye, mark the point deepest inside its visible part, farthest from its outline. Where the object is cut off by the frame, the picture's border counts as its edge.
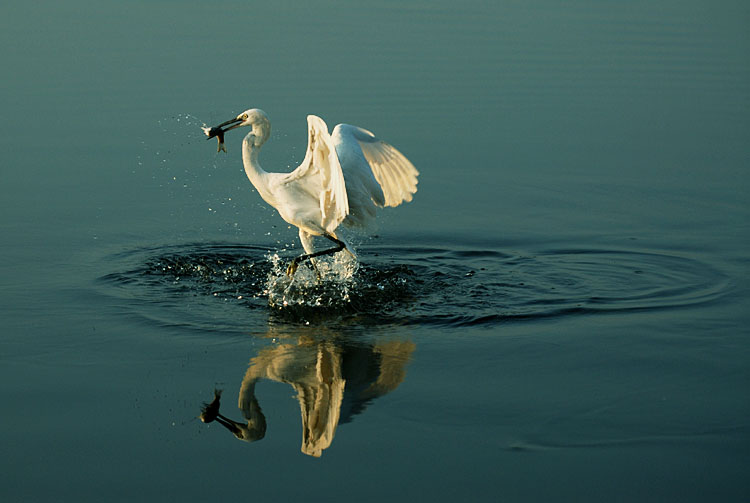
(244, 117)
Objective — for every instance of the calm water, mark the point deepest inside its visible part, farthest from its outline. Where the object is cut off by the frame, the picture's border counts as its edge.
(561, 314)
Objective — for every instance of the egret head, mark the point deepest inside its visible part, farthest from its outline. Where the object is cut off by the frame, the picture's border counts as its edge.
(255, 118)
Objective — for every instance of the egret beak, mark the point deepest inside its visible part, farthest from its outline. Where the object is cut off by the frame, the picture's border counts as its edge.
(218, 132)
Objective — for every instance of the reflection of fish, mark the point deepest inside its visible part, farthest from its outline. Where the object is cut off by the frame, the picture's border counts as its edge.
(218, 133)
(255, 429)
(210, 411)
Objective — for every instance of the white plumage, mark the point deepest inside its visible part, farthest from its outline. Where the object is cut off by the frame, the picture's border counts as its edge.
(343, 178)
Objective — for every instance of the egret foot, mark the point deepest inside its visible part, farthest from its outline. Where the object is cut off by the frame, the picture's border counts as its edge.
(292, 267)
(317, 271)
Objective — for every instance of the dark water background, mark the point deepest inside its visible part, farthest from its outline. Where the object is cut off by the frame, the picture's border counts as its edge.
(561, 314)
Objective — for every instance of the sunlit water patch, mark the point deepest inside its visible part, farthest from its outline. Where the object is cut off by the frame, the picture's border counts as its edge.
(220, 287)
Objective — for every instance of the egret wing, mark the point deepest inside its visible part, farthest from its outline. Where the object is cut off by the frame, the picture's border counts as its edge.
(394, 173)
(321, 171)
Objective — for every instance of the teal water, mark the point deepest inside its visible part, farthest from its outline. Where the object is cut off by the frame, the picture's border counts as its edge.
(560, 314)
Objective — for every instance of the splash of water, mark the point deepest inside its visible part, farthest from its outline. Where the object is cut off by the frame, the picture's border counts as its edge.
(332, 289)
(404, 286)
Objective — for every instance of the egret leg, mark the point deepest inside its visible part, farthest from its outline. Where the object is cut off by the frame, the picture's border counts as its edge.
(307, 243)
(308, 256)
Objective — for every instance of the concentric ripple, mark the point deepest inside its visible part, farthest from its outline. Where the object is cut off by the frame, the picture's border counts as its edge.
(225, 287)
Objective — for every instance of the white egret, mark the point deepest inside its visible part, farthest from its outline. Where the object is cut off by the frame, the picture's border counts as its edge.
(344, 177)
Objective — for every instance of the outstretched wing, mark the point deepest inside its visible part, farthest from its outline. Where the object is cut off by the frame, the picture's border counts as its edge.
(320, 174)
(394, 173)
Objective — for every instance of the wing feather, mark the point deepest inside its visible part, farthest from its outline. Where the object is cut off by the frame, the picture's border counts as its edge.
(322, 170)
(394, 173)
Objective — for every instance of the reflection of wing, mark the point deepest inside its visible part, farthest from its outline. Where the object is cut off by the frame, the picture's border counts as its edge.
(394, 355)
(396, 176)
(320, 403)
(333, 382)
(372, 372)
(320, 173)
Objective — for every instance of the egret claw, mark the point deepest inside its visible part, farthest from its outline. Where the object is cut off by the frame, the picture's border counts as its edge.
(292, 268)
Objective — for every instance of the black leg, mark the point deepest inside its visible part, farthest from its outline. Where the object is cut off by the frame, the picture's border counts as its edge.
(292, 268)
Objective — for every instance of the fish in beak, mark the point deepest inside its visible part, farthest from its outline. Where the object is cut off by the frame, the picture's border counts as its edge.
(218, 132)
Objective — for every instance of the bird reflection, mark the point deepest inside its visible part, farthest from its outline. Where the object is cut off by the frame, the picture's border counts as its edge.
(335, 379)
(253, 429)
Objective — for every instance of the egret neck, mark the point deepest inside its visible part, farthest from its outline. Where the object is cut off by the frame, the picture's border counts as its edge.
(258, 177)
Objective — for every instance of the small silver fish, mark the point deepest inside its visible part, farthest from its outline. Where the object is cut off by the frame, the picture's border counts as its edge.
(218, 133)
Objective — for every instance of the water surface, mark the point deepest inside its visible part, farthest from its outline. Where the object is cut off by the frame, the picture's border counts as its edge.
(560, 314)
